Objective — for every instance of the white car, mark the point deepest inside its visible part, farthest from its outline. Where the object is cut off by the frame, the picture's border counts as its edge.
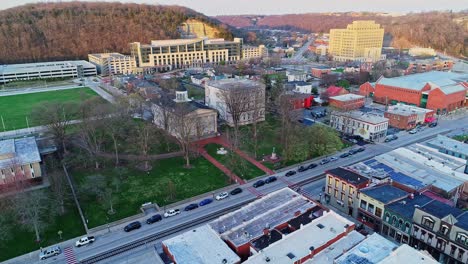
(50, 252)
(171, 212)
(84, 241)
(221, 196)
(333, 159)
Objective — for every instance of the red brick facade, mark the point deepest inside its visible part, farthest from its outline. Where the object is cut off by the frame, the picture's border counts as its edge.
(438, 101)
(418, 67)
(401, 121)
(316, 72)
(347, 105)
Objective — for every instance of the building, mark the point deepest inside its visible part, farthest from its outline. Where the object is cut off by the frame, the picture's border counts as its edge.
(360, 41)
(419, 66)
(440, 91)
(441, 230)
(451, 147)
(368, 126)
(302, 87)
(336, 91)
(373, 249)
(346, 243)
(112, 63)
(46, 70)
(372, 203)
(199, 79)
(19, 160)
(321, 50)
(406, 117)
(252, 52)
(199, 246)
(319, 71)
(296, 76)
(422, 52)
(342, 189)
(181, 53)
(407, 254)
(241, 101)
(347, 101)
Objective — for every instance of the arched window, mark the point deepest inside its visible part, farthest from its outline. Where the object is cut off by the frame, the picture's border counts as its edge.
(394, 220)
(400, 224)
(407, 227)
(387, 217)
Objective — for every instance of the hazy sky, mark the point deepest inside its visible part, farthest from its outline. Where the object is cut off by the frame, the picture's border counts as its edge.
(225, 7)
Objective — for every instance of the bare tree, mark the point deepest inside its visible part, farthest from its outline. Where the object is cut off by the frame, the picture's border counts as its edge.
(258, 114)
(5, 230)
(104, 191)
(59, 188)
(145, 138)
(289, 117)
(185, 125)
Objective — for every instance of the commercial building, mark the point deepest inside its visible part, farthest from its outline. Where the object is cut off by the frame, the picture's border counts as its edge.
(319, 71)
(420, 66)
(451, 147)
(19, 160)
(112, 63)
(360, 41)
(407, 254)
(440, 91)
(425, 52)
(252, 52)
(46, 70)
(373, 249)
(180, 53)
(347, 101)
(241, 101)
(406, 117)
(368, 126)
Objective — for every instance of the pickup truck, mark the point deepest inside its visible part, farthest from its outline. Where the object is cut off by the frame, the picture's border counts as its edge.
(84, 241)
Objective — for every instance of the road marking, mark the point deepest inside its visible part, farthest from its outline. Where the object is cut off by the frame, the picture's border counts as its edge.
(286, 181)
(255, 192)
(70, 255)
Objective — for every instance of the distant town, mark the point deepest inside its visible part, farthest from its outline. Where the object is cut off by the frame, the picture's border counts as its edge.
(298, 147)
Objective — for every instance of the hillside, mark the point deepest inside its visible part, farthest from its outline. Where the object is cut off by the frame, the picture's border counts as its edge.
(56, 31)
(440, 30)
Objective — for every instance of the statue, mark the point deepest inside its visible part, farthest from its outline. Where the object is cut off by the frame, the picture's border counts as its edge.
(273, 154)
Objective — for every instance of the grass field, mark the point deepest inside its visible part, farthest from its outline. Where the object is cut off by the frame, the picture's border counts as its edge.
(137, 187)
(15, 108)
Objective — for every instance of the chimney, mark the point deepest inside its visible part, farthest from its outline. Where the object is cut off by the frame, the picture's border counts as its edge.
(411, 196)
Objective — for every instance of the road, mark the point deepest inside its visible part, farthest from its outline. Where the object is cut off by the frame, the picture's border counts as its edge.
(108, 241)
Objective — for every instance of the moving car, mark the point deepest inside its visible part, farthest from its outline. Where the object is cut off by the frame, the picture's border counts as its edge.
(361, 149)
(344, 155)
(171, 212)
(236, 191)
(258, 184)
(324, 161)
(290, 173)
(222, 196)
(153, 219)
(132, 226)
(302, 169)
(270, 179)
(191, 207)
(433, 124)
(312, 165)
(50, 252)
(84, 241)
(205, 202)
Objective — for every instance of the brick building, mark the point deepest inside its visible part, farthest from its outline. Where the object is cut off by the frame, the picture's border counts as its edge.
(320, 70)
(420, 66)
(370, 127)
(407, 117)
(347, 101)
(440, 91)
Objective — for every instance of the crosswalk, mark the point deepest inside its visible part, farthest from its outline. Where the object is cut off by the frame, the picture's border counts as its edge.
(255, 191)
(70, 255)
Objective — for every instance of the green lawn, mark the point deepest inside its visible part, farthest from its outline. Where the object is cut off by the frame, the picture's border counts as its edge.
(461, 138)
(137, 187)
(196, 92)
(15, 108)
(235, 163)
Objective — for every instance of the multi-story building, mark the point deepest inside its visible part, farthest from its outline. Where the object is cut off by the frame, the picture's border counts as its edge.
(360, 41)
(321, 50)
(19, 160)
(251, 52)
(440, 91)
(301, 87)
(404, 116)
(46, 70)
(420, 66)
(373, 249)
(241, 101)
(296, 76)
(319, 71)
(347, 101)
(342, 189)
(180, 53)
(370, 127)
(112, 63)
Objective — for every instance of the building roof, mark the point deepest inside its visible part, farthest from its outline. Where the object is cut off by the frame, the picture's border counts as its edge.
(363, 117)
(18, 151)
(43, 66)
(321, 67)
(298, 244)
(384, 193)
(347, 97)
(226, 84)
(406, 110)
(336, 90)
(441, 210)
(200, 246)
(327, 255)
(446, 143)
(407, 254)
(406, 207)
(450, 89)
(419, 80)
(349, 176)
(371, 250)
(108, 55)
(171, 42)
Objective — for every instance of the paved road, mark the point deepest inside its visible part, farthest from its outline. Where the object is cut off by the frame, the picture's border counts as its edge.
(106, 241)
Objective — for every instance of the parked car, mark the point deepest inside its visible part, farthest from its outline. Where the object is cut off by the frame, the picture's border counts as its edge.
(353, 151)
(290, 173)
(270, 179)
(84, 241)
(390, 138)
(153, 219)
(352, 140)
(190, 207)
(333, 159)
(413, 131)
(171, 212)
(361, 149)
(433, 124)
(312, 165)
(302, 169)
(258, 183)
(344, 155)
(324, 161)
(132, 226)
(50, 252)
(222, 196)
(236, 191)
(205, 202)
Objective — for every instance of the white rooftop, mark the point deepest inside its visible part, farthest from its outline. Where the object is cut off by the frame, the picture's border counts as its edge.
(18, 151)
(404, 109)
(298, 244)
(330, 253)
(200, 246)
(362, 116)
(407, 254)
(347, 97)
(372, 250)
(443, 142)
(170, 42)
(42, 66)
(108, 55)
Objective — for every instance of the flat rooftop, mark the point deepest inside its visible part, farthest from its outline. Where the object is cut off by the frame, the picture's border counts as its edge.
(226, 84)
(18, 151)
(407, 254)
(419, 80)
(348, 176)
(406, 110)
(171, 42)
(406, 207)
(347, 97)
(200, 246)
(384, 193)
(371, 250)
(42, 66)
(108, 55)
(364, 117)
(246, 224)
(446, 143)
(298, 244)
(327, 255)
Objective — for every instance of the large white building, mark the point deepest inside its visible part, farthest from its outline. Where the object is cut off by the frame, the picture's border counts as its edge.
(113, 63)
(250, 52)
(46, 70)
(370, 127)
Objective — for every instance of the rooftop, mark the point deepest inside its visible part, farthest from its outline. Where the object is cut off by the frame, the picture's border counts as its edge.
(226, 84)
(442, 210)
(450, 89)
(18, 151)
(406, 110)
(298, 244)
(364, 117)
(200, 246)
(170, 42)
(407, 254)
(371, 250)
(349, 176)
(108, 55)
(347, 97)
(42, 66)
(406, 207)
(327, 255)
(321, 67)
(384, 193)
(443, 142)
(419, 80)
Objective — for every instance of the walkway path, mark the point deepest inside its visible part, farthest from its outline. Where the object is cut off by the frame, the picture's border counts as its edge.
(220, 166)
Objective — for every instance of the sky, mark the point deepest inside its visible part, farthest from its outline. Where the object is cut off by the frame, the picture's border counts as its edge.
(267, 7)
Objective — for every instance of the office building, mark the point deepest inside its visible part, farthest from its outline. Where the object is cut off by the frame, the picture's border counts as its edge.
(19, 160)
(360, 41)
(252, 52)
(406, 117)
(370, 127)
(112, 63)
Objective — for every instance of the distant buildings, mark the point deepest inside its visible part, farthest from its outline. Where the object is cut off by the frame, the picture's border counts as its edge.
(422, 52)
(319, 71)
(296, 76)
(451, 147)
(420, 66)
(19, 160)
(347, 101)
(360, 41)
(46, 70)
(112, 63)
(252, 52)
(406, 117)
(368, 126)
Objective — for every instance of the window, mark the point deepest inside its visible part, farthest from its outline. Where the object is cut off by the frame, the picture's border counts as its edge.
(444, 229)
(370, 208)
(330, 180)
(415, 230)
(429, 238)
(336, 193)
(394, 220)
(378, 212)
(428, 222)
(350, 201)
(363, 205)
(387, 217)
(407, 227)
(342, 196)
(461, 252)
(343, 187)
(461, 238)
(336, 183)
(400, 224)
(329, 191)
